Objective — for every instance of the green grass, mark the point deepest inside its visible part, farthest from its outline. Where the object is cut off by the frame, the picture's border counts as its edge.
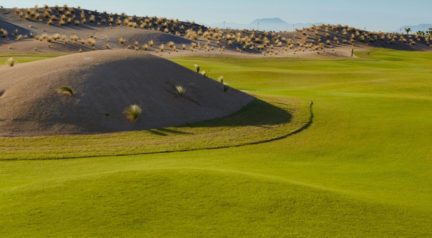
(258, 122)
(26, 57)
(362, 169)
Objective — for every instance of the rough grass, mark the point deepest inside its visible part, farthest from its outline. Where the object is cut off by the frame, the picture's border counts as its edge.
(363, 168)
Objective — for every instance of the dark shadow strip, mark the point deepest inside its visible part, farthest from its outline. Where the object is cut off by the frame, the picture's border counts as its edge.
(295, 132)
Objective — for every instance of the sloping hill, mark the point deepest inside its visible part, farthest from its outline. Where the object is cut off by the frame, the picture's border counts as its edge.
(21, 31)
(73, 29)
(89, 92)
(216, 203)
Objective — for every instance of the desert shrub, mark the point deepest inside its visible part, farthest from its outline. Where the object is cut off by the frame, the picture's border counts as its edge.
(171, 45)
(122, 41)
(66, 91)
(133, 112)
(11, 62)
(197, 68)
(91, 41)
(180, 90)
(3, 33)
(92, 19)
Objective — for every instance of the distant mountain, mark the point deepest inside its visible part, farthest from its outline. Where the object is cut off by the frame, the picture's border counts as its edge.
(266, 24)
(416, 28)
(270, 24)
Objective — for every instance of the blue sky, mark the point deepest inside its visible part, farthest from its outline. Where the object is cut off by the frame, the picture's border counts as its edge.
(386, 15)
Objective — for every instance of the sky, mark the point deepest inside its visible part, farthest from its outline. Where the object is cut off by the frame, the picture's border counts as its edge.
(384, 15)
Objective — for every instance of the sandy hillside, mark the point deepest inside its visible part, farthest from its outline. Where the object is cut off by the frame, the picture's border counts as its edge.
(105, 36)
(104, 84)
(67, 29)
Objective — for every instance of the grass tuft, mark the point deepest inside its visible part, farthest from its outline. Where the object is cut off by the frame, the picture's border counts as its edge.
(66, 91)
(197, 68)
(133, 112)
(181, 91)
(11, 62)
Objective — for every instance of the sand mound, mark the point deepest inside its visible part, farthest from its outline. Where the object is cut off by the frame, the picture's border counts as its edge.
(105, 36)
(104, 83)
(142, 36)
(12, 28)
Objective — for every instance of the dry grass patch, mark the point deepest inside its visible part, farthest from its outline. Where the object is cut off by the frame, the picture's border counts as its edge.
(133, 113)
(11, 62)
(180, 90)
(66, 91)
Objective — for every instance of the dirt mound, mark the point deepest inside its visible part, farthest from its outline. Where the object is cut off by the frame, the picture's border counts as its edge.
(104, 37)
(11, 31)
(89, 93)
(23, 35)
(332, 36)
(69, 29)
(131, 35)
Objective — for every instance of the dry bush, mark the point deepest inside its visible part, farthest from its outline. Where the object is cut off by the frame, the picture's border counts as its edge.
(180, 90)
(197, 68)
(11, 62)
(66, 91)
(122, 41)
(133, 112)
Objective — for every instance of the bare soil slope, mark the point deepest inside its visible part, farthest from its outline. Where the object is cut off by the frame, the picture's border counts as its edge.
(104, 83)
(67, 29)
(104, 35)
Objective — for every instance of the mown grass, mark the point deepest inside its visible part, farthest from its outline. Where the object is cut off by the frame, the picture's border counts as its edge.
(363, 168)
(23, 57)
(258, 122)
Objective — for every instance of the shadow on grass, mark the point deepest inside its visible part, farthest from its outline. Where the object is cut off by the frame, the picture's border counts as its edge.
(167, 132)
(272, 114)
(257, 113)
(157, 132)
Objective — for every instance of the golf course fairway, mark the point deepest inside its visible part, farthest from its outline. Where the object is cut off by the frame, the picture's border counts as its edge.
(362, 168)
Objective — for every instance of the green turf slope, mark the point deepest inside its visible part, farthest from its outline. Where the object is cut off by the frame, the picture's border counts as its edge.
(362, 169)
(24, 57)
(198, 203)
(259, 122)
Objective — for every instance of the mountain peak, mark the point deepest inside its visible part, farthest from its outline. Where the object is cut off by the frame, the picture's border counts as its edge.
(273, 20)
(266, 24)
